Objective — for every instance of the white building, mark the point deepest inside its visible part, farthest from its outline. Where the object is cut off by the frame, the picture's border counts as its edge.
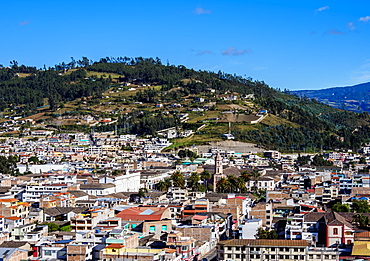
(98, 189)
(128, 182)
(250, 228)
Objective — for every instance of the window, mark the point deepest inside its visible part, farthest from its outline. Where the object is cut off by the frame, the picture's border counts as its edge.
(287, 257)
(272, 249)
(237, 255)
(272, 256)
(335, 231)
(310, 256)
(133, 225)
(281, 257)
(229, 255)
(152, 229)
(164, 227)
(237, 248)
(228, 248)
(47, 252)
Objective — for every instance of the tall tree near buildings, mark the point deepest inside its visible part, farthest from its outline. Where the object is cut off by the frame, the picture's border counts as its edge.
(205, 176)
(178, 179)
(361, 220)
(223, 185)
(194, 181)
(360, 206)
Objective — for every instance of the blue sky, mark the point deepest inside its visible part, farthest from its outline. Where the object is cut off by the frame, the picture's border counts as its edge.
(288, 44)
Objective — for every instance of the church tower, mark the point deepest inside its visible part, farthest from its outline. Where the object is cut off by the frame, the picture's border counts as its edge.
(219, 172)
(218, 165)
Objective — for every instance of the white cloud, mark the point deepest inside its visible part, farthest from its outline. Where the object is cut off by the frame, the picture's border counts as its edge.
(351, 26)
(322, 8)
(199, 11)
(364, 19)
(234, 51)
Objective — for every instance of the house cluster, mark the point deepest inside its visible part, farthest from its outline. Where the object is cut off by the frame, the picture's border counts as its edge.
(96, 197)
(64, 216)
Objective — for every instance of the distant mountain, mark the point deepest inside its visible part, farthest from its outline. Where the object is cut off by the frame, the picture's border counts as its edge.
(353, 98)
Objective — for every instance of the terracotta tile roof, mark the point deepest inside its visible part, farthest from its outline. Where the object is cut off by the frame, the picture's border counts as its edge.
(364, 234)
(264, 242)
(115, 246)
(142, 213)
(13, 218)
(8, 200)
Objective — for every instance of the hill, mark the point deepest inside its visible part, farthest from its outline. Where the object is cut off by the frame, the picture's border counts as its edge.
(145, 97)
(353, 98)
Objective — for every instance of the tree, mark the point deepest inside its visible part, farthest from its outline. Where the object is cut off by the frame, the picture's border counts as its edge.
(205, 176)
(66, 228)
(255, 174)
(362, 160)
(245, 176)
(142, 192)
(318, 160)
(303, 160)
(187, 153)
(163, 185)
(33, 159)
(338, 207)
(360, 206)
(240, 184)
(266, 234)
(223, 185)
(178, 179)
(193, 181)
(361, 220)
(52, 227)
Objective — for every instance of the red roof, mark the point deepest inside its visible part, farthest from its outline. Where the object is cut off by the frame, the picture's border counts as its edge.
(142, 213)
(8, 200)
(115, 246)
(308, 206)
(13, 218)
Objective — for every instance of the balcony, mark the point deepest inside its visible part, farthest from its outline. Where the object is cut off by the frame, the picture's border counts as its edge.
(293, 228)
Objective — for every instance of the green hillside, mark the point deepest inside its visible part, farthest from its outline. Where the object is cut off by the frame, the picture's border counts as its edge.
(142, 96)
